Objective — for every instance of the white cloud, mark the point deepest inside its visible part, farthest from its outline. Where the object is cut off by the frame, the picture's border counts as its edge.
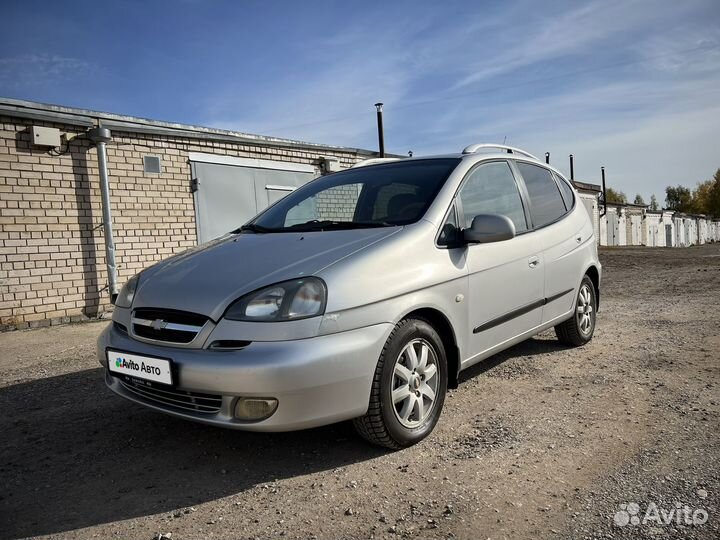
(34, 69)
(557, 35)
(635, 100)
(330, 102)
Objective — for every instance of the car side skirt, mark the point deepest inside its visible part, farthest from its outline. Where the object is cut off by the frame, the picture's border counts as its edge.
(517, 339)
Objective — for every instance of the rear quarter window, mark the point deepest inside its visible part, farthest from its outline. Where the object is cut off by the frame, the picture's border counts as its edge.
(566, 192)
(546, 202)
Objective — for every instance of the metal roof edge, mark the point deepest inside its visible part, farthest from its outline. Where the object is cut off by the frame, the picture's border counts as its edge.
(586, 186)
(627, 205)
(131, 124)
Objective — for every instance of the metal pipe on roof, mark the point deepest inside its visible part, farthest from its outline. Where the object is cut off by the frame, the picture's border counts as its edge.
(381, 135)
(547, 158)
(101, 136)
(602, 170)
(572, 168)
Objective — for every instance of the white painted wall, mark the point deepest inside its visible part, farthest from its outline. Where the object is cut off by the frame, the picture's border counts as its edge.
(634, 221)
(622, 227)
(651, 231)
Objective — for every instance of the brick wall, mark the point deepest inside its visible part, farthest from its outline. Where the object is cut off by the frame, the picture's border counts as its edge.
(52, 251)
(338, 203)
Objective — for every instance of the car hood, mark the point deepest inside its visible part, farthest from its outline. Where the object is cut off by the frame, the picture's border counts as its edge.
(209, 278)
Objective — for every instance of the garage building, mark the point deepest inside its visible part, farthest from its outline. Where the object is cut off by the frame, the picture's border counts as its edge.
(172, 186)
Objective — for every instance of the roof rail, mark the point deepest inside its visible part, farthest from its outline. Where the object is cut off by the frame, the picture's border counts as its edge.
(373, 161)
(473, 148)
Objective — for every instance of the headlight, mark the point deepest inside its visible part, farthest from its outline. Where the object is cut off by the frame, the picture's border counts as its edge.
(286, 301)
(127, 293)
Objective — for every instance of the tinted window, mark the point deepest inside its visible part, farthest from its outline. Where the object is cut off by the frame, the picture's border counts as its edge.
(391, 194)
(491, 189)
(546, 203)
(566, 192)
(390, 197)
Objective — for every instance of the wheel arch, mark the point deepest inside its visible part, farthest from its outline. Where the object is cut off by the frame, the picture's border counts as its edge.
(439, 321)
(594, 274)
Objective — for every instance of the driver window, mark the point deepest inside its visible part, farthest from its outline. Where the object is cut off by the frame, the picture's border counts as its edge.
(491, 189)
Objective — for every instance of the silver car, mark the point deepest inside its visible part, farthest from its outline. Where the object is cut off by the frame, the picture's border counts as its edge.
(361, 295)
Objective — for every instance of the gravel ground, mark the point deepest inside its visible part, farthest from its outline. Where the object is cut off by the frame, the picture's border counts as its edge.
(540, 441)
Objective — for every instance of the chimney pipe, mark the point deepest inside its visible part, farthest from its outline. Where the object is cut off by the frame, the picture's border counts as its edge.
(572, 168)
(602, 170)
(381, 134)
(547, 158)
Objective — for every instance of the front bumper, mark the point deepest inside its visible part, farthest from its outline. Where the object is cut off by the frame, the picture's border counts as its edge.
(316, 381)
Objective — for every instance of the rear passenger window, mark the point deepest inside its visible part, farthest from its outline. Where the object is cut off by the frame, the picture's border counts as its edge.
(491, 189)
(546, 203)
(566, 192)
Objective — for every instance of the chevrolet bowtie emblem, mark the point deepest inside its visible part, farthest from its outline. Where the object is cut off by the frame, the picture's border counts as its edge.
(159, 324)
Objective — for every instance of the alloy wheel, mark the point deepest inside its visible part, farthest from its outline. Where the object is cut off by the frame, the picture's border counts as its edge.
(585, 310)
(415, 383)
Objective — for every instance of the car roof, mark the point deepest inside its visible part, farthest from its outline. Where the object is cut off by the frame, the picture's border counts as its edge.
(474, 156)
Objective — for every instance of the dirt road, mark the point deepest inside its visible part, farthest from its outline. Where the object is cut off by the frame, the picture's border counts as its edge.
(538, 442)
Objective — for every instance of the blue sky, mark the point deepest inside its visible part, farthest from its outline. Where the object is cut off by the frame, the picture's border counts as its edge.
(632, 85)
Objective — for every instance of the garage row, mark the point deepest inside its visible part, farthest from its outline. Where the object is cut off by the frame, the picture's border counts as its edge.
(635, 225)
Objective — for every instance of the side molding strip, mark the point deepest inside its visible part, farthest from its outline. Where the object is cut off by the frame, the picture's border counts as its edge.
(519, 312)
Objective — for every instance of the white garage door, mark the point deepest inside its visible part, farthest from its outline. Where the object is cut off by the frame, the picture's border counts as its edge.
(229, 191)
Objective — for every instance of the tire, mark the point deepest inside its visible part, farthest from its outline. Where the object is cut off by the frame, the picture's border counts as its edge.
(579, 329)
(403, 423)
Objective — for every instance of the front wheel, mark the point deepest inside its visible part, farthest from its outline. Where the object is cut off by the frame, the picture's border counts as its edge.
(408, 389)
(579, 329)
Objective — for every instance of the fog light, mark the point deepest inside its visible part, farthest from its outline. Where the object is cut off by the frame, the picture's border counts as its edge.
(255, 409)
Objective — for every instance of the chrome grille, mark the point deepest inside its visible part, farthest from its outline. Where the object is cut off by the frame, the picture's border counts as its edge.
(166, 325)
(179, 399)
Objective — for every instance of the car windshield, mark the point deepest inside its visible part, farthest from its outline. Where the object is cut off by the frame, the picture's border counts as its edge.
(391, 194)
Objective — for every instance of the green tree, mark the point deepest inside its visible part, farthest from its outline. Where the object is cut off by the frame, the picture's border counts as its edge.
(704, 199)
(701, 197)
(639, 199)
(653, 203)
(678, 198)
(713, 201)
(613, 196)
(706, 196)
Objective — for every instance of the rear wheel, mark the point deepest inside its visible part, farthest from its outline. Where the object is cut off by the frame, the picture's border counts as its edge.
(579, 329)
(408, 389)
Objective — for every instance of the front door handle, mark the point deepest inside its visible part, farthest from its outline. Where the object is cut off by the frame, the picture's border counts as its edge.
(533, 262)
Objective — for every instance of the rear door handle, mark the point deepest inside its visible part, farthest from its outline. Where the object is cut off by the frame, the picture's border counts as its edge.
(533, 262)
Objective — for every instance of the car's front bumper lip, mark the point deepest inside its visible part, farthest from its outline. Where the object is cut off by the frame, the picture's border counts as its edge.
(317, 381)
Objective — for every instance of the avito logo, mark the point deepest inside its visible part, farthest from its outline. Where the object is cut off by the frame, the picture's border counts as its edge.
(127, 364)
(124, 363)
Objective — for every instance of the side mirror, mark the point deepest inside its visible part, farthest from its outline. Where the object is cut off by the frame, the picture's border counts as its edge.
(489, 228)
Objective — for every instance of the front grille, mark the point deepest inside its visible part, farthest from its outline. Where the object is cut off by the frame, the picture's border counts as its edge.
(175, 398)
(167, 325)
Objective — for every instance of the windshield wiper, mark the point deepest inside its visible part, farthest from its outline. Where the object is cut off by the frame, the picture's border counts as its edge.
(251, 227)
(316, 225)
